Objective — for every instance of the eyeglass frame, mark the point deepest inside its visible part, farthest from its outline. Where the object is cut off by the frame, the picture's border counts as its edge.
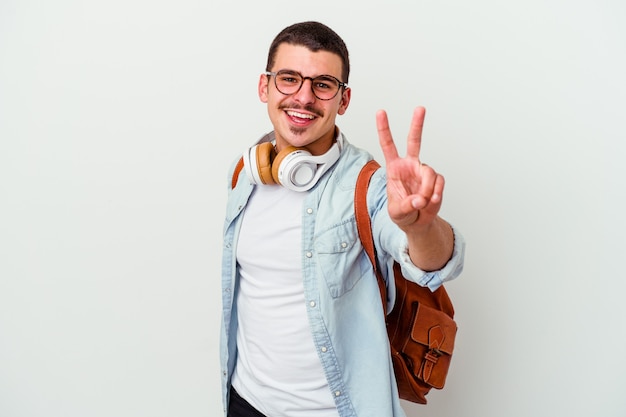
(339, 82)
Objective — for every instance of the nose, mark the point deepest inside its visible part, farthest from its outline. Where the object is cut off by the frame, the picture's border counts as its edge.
(305, 93)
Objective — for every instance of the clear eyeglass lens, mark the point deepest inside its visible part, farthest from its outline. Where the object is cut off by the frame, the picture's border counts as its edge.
(324, 87)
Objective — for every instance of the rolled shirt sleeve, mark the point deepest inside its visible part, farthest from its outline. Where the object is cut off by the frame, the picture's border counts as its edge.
(434, 279)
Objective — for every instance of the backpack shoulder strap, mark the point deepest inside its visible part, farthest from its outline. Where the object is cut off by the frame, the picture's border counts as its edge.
(364, 223)
(238, 169)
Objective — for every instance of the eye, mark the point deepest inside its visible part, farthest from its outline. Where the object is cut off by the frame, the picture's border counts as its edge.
(288, 78)
(325, 83)
(322, 86)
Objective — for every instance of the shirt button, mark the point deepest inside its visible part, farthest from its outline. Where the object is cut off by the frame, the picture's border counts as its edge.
(324, 349)
(337, 393)
(312, 303)
(344, 245)
(309, 210)
(309, 255)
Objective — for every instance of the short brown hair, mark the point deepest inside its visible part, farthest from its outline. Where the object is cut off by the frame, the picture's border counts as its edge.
(316, 37)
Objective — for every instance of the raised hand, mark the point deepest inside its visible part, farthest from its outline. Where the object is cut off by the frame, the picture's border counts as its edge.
(414, 189)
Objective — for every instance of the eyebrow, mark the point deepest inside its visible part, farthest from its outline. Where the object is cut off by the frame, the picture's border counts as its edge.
(304, 76)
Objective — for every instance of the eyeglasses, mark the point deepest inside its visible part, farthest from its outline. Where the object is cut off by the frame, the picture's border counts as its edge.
(324, 87)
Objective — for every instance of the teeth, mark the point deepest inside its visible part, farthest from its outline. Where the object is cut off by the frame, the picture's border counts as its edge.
(299, 115)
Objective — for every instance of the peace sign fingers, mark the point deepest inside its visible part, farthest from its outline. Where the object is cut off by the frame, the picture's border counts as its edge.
(414, 189)
(384, 137)
(414, 141)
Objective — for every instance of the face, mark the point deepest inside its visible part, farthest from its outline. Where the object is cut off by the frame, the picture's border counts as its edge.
(301, 119)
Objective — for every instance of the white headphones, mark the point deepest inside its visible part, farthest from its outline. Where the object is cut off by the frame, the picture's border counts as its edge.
(293, 168)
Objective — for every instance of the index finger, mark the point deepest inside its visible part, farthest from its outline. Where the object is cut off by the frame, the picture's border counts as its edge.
(414, 140)
(384, 136)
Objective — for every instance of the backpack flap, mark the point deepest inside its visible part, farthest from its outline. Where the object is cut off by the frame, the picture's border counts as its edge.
(432, 339)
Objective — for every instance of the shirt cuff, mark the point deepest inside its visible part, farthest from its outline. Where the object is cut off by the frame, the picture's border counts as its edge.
(434, 279)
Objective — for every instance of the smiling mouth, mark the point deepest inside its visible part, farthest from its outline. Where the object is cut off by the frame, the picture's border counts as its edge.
(298, 115)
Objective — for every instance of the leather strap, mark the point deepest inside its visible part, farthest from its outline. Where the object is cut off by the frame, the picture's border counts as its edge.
(435, 340)
(364, 223)
(238, 169)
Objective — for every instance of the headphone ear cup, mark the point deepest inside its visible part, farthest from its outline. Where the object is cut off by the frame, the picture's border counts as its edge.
(265, 156)
(279, 159)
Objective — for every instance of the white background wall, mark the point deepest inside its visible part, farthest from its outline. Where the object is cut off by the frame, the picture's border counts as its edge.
(119, 118)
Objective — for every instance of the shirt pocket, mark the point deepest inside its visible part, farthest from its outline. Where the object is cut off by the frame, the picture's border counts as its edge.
(339, 252)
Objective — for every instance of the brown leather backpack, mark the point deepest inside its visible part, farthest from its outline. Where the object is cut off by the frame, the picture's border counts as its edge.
(420, 326)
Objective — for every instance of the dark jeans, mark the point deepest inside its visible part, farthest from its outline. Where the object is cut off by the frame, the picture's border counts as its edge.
(238, 407)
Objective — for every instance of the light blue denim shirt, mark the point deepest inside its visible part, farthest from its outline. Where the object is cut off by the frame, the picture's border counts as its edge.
(342, 297)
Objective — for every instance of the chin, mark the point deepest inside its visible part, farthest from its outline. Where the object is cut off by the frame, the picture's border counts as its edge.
(297, 132)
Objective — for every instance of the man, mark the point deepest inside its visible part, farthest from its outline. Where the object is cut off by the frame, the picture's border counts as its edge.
(303, 332)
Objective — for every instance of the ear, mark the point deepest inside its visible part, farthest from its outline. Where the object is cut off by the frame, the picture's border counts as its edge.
(345, 101)
(263, 86)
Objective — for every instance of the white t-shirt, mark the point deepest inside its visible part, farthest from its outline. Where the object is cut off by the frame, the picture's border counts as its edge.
(278, 370)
